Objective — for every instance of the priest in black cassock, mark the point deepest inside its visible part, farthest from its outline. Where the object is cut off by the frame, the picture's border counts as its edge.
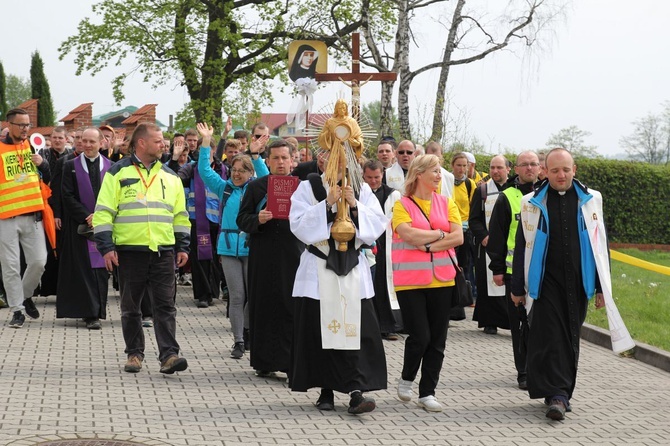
(274, 254)
(491, 307)
(561, 261)
(83, 279)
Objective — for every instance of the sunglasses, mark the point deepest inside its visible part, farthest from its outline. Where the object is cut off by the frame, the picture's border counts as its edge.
(403, 152)
(258, 136)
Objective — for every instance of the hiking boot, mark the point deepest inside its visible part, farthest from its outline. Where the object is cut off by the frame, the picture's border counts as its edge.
(238, 350)
(133, 364)
(556, 410)
(173, 364)
(31, 309)
(547, 402)
(360, 404)
(17, 320)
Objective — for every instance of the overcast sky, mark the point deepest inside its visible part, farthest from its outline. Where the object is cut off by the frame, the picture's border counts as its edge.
(608, 66)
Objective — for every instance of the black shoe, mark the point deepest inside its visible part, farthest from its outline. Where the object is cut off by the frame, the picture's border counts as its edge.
(247, 340)
(556, 410)
(326, 401)
(390, 336)
(547, 402)
(238, 350)
(360, 404)
(523, 382)
(31, 309)
(491, 330)
(263, 373)
(202, 304)
(17, 320)
(93, 324)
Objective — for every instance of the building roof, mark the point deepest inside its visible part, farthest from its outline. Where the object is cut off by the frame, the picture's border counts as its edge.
(276, 120)
(75, 112)
(139, 114)
(124, 112)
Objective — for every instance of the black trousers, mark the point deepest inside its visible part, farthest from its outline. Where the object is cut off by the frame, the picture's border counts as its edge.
(425, 313)
(151, 273)
(515, 328)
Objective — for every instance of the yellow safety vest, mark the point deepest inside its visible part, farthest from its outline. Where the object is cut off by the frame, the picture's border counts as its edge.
(19, 181)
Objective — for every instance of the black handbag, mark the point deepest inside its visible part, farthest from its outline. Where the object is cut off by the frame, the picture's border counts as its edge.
(463, 286)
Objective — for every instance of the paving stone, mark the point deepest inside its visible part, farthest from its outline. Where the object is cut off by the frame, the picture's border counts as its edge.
(61, 381)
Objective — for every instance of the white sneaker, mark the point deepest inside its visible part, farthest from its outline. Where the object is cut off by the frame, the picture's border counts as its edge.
(187, 280)
(430, 404)
(405, 390)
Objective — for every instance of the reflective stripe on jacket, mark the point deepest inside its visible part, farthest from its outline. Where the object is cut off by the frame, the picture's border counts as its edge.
(128, 214)
(19, 181)
(412, 266)
(514, 197)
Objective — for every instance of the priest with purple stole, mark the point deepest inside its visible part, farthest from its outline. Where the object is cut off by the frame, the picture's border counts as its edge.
(82, 278)
(203, 211)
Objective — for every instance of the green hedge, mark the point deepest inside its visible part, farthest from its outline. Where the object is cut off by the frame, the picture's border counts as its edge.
(636, 197)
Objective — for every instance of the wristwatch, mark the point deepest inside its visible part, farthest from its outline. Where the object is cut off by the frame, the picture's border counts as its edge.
(427, 246)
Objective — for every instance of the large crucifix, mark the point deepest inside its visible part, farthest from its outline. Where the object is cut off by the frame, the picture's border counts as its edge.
(355, 77)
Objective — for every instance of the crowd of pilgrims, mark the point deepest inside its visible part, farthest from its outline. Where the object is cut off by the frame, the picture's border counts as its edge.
(252, 267)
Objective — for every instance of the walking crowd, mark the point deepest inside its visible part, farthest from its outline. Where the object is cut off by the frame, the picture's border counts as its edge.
(367, 252)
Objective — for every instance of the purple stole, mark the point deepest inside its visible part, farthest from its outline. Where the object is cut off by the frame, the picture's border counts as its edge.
(88, 200)
(204, 238)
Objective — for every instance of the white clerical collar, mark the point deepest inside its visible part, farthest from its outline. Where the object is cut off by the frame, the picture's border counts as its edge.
(92, 159)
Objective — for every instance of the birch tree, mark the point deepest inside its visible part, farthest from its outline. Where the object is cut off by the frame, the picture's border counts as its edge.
(470, 37)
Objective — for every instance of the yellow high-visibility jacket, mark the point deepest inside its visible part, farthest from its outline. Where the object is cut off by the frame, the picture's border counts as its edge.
(140, 210)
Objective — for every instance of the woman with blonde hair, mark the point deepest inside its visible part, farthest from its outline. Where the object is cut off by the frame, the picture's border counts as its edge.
(426, 228)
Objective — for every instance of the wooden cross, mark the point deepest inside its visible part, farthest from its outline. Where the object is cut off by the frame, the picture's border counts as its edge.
(355, 77)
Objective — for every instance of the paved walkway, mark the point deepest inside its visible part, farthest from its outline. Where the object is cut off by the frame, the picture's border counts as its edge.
(59, 380)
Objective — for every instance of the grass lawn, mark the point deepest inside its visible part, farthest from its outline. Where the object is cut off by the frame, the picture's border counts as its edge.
(643, 299)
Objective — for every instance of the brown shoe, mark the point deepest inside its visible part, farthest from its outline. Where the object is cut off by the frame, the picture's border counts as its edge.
(173, 364)
(134, 364)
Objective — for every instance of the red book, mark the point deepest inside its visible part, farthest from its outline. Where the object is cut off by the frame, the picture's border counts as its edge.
(280, 189)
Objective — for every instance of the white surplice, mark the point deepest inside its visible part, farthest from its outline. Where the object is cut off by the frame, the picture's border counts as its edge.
(339, 295)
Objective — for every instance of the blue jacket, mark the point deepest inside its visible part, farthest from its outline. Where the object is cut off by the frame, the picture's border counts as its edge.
(535, 271)
(231, 242)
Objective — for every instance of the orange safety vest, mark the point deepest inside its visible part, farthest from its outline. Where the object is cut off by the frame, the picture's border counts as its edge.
(19, 181)
(412, 266)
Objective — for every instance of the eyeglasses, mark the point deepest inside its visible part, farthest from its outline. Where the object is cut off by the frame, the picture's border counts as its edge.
(21, 126)
(523, 165)
(402, 152)
(240, 171)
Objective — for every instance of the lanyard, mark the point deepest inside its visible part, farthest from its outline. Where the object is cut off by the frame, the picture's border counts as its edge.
(147, 186)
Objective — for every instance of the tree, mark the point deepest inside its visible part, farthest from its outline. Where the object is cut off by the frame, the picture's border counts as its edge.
(572, 139)
(41, 92)
(373, 111)
(205, 45)
(18, 90)
(3, 94)
(650, 140)
(471, 37)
